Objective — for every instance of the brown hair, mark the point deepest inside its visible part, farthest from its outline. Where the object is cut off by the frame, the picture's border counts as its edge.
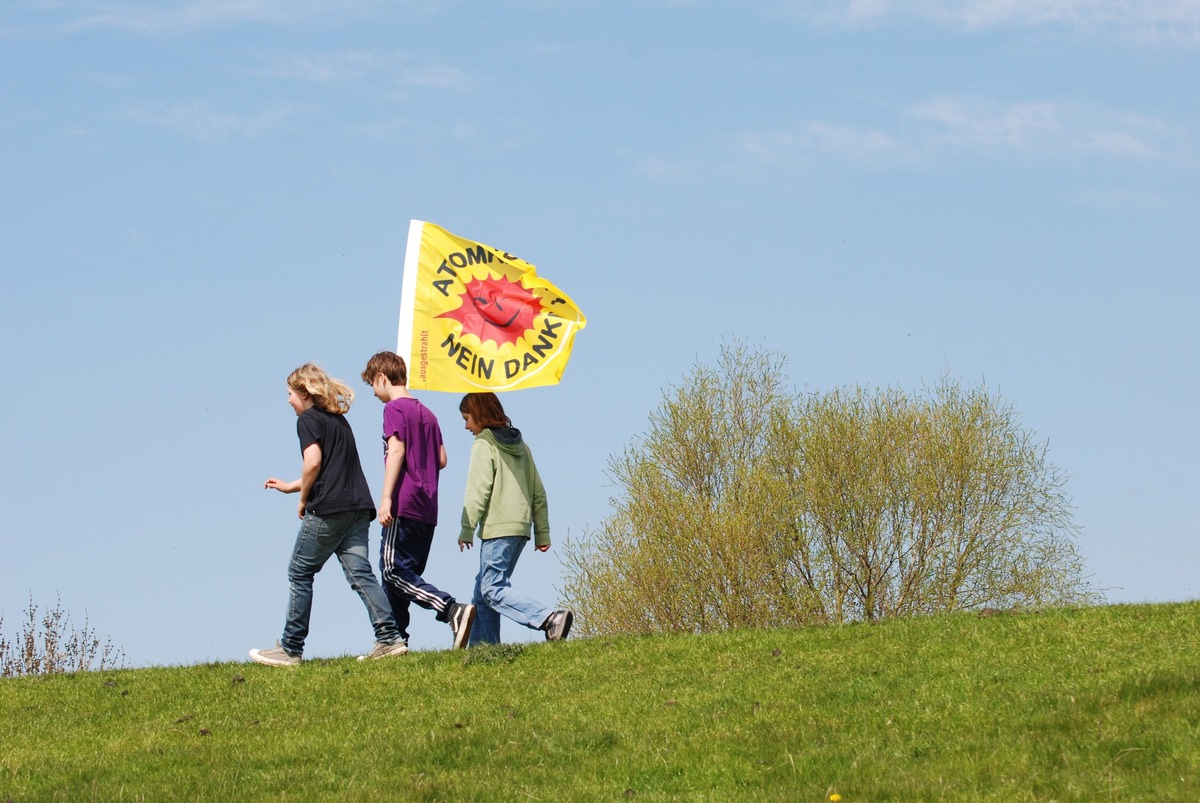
(485, 408)
(390, 365)
(329, 394)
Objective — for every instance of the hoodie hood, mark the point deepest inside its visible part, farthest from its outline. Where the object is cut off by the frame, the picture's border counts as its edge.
(507, 439)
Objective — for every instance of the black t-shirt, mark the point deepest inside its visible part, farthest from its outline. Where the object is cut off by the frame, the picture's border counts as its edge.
(340, 485)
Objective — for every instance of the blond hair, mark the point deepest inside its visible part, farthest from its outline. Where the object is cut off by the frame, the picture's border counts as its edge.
(331, 395)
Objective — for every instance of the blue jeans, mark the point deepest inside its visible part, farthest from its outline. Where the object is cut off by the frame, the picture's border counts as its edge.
(344, 535)
(494, 594)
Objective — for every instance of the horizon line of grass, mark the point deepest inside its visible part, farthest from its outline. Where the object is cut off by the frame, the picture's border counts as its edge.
(1066, 704)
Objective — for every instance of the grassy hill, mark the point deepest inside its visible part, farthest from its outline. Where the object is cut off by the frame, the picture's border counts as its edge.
(1092, 704)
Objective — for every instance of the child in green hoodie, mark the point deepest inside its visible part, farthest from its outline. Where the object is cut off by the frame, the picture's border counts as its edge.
(504, 501)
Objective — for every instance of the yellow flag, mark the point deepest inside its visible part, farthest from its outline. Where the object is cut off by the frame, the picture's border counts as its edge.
(475, 318)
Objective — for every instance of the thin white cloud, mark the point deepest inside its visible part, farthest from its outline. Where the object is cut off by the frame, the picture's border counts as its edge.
(674, 169)
(935, 129)
(198, 121)
(751, 154)
(391, 68)
(976, 124)
(1157, 19)
(164, 18)
(1135, 15)
(385, 130)
(1176, 20)
(1118, 198)
(782, 147)
(1037, 129)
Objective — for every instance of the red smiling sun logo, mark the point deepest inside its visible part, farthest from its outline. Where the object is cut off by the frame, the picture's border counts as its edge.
(499, 310)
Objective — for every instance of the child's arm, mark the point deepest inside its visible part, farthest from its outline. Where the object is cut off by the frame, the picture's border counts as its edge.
(308, 474)
(391, 476)
(481, 476)
(280, 485)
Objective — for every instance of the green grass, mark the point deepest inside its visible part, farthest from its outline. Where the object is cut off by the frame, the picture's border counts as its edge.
(1092, 704)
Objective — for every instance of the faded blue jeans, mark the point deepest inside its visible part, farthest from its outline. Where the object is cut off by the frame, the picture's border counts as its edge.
(320, 537)
(494, 594)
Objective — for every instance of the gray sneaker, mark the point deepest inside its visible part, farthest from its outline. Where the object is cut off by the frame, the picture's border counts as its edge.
(558, 625)
(461, 618)
(381, 650)
(275, 656)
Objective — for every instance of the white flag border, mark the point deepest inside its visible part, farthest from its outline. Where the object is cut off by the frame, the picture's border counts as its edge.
(408, 293)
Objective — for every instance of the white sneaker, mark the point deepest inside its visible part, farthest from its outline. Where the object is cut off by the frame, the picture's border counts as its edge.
(275, 656)
(558, 625)
(461, 618)
(381, 650)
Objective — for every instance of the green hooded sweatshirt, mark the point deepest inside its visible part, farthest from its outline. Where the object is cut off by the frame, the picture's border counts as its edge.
(505, 496)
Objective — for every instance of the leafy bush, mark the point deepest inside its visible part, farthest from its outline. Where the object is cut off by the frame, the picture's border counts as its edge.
(51, 644)
(744, 505)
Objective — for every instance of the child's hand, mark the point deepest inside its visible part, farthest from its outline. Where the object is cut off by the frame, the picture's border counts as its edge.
(282, 486)
(542, 547)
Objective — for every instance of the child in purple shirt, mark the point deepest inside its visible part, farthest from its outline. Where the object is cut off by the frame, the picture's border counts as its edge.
(413, 458)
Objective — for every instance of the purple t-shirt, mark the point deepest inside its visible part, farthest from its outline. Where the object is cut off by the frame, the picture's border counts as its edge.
(416, 494)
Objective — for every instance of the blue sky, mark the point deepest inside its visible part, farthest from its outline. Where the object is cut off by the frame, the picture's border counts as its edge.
(197, 197)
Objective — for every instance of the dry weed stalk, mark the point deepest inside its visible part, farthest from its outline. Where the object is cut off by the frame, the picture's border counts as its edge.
(51, 644)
